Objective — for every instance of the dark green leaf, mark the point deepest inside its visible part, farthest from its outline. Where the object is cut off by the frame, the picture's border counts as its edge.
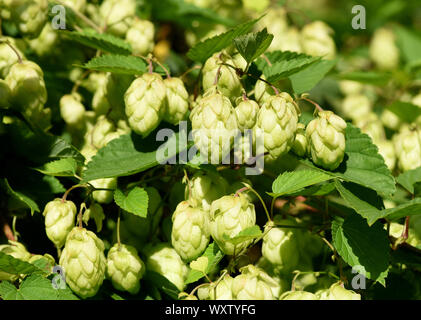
(409, 178)
(62, 168)
(12, 265)
(136, 201)
(252, 45)
(405, 111)
(19, 196)
(372, 77)
(247, 234)
(117, 64)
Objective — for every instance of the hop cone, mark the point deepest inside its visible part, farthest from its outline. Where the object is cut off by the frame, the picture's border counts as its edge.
(118, 15)
(176, 103)
(316, 40)
(230, 215)
(72, 110)
(337, 292)
(7, 56)
(246, 112)
(59, 220)
(190, 231)
(251, 284)
(141, 37)
(214, 125)
(144, 103)
(383, 49)
(104, 196)
(277, 123)
(327, 140)
(220, 291)
(298, 295)
(4, 94)
(83, 262)
(300, 145)
(356, 106)
(125, 268)
(408, 148)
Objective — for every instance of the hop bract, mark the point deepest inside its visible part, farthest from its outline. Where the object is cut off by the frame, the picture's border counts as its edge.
(316, 40)
(190, 231)
(59, 220)
(118, 15)
(251, 285)
(72, 110)
(298, 295)
(383, 49)
(326, 136)
(144, 103)
(104, 196)
(141, 37)
(84, 262)
(230, 215)
(176, 103)
(125, 268)
(408, 148)
(246, 111)
(277, 124)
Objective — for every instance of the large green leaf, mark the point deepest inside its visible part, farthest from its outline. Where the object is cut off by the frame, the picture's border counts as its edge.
(283, 64)
(405, 111)
(409, 178)
(116, 63)
(409, 43)
(205, 49)
(62, 168)
(130, 154)
(375, 78)
(252, 45)
(12, 265)
(305, 80)
(136, 201)
(412, 207)
(362, 163)
(362, 246)
(19, 196)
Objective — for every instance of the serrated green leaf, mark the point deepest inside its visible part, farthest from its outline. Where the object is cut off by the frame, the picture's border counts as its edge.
(162, 283)
(9, 292)
(305, 80)
(364, 201)
(133, 154)
(205, 49)
(100, 41)
(249, 233)
(361, 245)
(214, 256)
(283, 64)
(290, 182)
(117, 64)
(21, 197)
(317, 190)
(375, 78)
(412, 207)
(200, 264)
(62, 168)
(409, 43)
(405, 111)
(409, 178)
(136, 201)
(362, 163)
(252, 45)
(12, 265)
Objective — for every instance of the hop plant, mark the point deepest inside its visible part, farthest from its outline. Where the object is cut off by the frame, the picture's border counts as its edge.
(356, 106)
(280, 245)
(176, 103)
(408, 148)
(190, 231)
(84, 262)
(298, 295)
(227, 81)
(372, 126)
(163, 259)
(221, 290)
(350, 87)
(29, 17)
(230, 215)
(103, 196)
(125, 268)
(144, 103)
(204, 188)
(276, 123)
(7, 56)
(246, 111)
(118, 15)
(251, 284)
(383, 50)
(327, 139)
(72, 110)
(59, 220)
(300, 145)
(214, 125)
(316, 40)
(141, 37)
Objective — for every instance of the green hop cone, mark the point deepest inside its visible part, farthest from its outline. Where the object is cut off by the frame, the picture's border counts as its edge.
(84, 262)
(326, 136)
(408, 148)
(59, 220)
(190, 231)
(251, 284)
(176, 103)
(300, 145)
(372, 126)
(28, 92)
(276, 22)
(387, 151)
(280, 245)
(7, 56)
(298, 295)
(125, 268)
(77, 5)
(246, 111)
(118, 15)
(356, 106)
(164, 260)
(105, 131)
(47, 41)
(28, 16)
(104, 196)
(72, 110)
(316, 40)
(229, 216)
(144, 101)
(141, 37)
(277, 282)
(18, 251)
(217, 291)
(276, 124)
(214, 125)
(228, 81)
(263, 91)
(337, 292)
(4, 94)
(350, 87)
(205, 187)
(383, 49)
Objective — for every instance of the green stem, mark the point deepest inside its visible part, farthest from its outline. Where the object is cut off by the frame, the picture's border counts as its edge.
(118, 229)
(261, 200)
